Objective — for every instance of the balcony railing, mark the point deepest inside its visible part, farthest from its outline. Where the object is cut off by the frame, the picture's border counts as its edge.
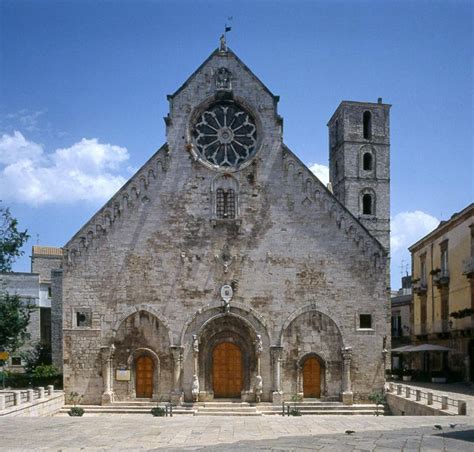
(468, 267)
(441, 279)
(420, 287)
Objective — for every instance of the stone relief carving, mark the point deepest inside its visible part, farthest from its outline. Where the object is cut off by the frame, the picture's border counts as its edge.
(223, 78)
(226, 295)
(225, 258)
(195, 344)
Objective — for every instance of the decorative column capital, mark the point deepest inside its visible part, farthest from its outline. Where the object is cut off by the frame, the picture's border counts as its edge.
(346, 354)
(177, 352)
(276, 351)
(107, 352)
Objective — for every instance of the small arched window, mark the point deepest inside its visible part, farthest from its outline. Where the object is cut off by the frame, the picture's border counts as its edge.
(367, 161)
(367, 125)
(225, 203)
(336, 131)
(367, 204)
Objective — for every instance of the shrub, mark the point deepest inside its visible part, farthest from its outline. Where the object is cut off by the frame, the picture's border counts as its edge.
(76, 411)
(158, 411)
(379, 399)
(45, 370)
(22, 381)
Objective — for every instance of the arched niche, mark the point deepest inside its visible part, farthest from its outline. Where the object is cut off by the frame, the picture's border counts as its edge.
(142, 332)
(131, 364)
(310, 332)
(213, 326)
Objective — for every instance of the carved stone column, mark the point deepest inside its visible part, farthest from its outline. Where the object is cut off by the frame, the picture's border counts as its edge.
(177, 393)
(347, 395)
(107, 355)
(276, 353)
(195, 385)
(258, 379)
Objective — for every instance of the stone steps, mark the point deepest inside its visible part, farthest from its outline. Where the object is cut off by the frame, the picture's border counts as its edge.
(232, 408)
(124, 408)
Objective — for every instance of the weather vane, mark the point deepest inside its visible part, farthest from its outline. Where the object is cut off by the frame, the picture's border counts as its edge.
(223, 38)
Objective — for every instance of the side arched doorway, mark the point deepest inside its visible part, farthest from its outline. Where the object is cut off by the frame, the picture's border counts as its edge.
(311, 377)
(227, 371)
(144, 373)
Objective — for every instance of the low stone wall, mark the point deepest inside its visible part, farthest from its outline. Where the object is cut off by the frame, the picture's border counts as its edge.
(403, 400)
(48, 404)
(400, 406)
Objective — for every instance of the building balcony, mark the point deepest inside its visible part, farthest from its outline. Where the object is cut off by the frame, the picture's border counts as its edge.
(441, 279)
(420, 288)
(441, 326)
(421, 329)
(464, 324)
(468, 267)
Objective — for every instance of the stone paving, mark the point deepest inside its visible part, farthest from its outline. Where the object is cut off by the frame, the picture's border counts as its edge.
(276, 433)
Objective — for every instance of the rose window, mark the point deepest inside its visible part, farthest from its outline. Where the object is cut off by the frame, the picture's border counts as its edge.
(225, 135)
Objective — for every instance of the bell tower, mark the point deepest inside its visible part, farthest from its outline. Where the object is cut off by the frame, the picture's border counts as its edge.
(359, 163)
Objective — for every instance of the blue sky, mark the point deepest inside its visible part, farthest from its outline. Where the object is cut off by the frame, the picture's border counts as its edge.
(83, 89)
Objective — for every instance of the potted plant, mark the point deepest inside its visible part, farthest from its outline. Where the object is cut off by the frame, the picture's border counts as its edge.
(158, 411)
(295, 411)
(75, 398)
(407, 374)
(379, 399)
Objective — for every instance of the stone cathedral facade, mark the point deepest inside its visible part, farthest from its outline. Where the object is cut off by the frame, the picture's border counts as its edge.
(224, 268)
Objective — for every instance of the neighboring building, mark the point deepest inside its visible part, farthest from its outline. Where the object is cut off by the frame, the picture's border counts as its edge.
(224, 268)
(401, 307)
(443, 297)
(35, 289)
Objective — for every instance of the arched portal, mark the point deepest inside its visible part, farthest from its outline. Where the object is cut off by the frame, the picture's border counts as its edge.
(227, 370)
(144, 371)
(311, 377)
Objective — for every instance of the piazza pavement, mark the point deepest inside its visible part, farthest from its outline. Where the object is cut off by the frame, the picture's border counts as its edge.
(225, 433)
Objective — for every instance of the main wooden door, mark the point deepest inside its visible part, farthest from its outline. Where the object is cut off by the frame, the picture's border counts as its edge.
(144, 377)
(311, 378)
(227, 370)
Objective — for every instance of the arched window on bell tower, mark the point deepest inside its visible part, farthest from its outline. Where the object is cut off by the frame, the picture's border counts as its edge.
(367, 202)
(367, 161)
(225, 198)
(367, 120)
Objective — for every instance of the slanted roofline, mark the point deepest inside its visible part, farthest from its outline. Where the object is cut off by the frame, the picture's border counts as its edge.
(163, 149)
(342, 206)
(443, 227)
(227, 53)
(361, 104)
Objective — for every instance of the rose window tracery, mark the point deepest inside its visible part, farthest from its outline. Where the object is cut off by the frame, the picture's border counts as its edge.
(225, 134)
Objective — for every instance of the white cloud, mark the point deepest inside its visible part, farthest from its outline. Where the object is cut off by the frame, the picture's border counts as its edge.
(409, 227)
(15, 147)
(86, 171)
(406, 229)
(320, 171)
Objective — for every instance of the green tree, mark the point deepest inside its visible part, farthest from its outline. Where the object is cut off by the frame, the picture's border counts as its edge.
(11, 240)
(14, 320)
